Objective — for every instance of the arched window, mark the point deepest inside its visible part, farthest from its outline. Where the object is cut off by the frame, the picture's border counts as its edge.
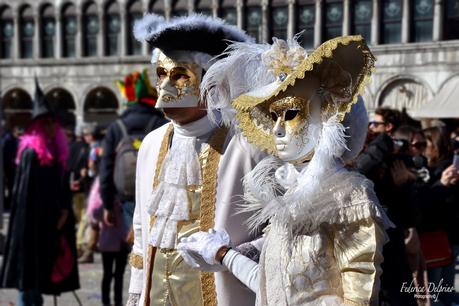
(305, 20)
(69, 30)
(134, 14)
(6, 32)
(17, 107)
(62, 103)
(451, 20)
(90, 29)
(391, 21)
(333, 19)
(27, 29)
(100, 105)
(279, 19)
(253, 18)
(113, 26)
(180, 8)
(228, 12)
(361, 13)
(204, 7)
(156, 7)
(422, 20)
(48, 31)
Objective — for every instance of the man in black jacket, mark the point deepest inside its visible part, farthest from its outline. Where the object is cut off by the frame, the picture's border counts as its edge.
(139, 116)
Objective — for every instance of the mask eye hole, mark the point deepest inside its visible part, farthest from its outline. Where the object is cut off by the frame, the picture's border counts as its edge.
(274, 116)
(291, 114)
(161, 73)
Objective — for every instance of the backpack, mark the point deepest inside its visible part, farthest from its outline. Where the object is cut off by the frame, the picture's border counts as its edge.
(126, 159)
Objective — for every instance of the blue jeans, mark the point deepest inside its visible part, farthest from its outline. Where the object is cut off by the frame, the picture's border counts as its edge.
(128, 213)
(30, 298)
(445, 274)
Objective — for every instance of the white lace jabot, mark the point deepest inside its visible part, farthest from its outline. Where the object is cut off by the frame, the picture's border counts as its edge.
(181, 169)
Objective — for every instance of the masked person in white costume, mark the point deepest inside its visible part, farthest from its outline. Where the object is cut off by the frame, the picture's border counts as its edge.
(189, 172)
(323, 244)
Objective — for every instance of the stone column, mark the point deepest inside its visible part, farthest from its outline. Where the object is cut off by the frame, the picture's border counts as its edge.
(124, 34)
(406, 21)
(240, 13)
(318, 24)
(58, 37)
(37, 37)
(291, 18)
(16, 38)
(191, 6)
(375, 23)
(145, 9)
(79, 35)
(437, 34)
(167, 8)
(215, 7)
(101, 34)
(346, 17)
(265, 21)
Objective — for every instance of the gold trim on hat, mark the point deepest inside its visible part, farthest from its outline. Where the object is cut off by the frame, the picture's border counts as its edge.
(245, 104)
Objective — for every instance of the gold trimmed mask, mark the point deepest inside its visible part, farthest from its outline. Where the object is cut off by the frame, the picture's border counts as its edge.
(327, 81)
(290, 119)
(178, 83)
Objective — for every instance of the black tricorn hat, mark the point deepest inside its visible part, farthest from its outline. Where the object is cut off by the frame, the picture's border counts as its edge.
(40, 103)
(196, 33)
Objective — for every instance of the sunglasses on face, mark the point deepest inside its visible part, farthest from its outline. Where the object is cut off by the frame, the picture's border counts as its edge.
(376, 123)
(420, 145)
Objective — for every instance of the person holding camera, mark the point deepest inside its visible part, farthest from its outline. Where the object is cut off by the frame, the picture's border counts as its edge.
(440, 214)
(383, 163)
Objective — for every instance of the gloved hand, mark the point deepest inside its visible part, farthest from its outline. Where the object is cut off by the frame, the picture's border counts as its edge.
(197, 262)
(204, 245)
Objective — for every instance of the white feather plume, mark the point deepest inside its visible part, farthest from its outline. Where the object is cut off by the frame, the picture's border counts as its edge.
(237, 71)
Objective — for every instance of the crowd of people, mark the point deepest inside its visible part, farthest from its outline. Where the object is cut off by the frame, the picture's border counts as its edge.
(73, 193)
(414, 171)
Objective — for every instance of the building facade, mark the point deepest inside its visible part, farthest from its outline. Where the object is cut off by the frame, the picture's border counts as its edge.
(79, 48)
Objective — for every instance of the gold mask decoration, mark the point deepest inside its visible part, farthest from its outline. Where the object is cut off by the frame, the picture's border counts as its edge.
(326, 82)
(290, 113)
(178, 83)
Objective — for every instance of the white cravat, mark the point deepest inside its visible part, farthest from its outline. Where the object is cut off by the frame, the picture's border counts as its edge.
(181, 168)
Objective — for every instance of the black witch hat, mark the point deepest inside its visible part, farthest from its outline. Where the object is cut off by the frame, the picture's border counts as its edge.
(40, 103)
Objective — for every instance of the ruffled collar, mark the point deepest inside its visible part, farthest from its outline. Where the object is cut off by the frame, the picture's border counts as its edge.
(196, 128)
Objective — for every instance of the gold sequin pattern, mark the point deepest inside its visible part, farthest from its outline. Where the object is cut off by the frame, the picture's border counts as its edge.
(136, 261)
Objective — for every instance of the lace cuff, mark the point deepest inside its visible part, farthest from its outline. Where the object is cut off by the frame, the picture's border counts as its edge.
(133, 299)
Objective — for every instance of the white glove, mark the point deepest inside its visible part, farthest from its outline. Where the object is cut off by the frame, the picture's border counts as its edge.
(197, 262)
(206, 245)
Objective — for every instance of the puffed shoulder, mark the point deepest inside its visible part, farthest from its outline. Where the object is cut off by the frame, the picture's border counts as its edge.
(356, 200)
(235, 138)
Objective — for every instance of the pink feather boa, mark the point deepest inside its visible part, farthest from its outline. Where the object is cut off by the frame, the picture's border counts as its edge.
(48, 150)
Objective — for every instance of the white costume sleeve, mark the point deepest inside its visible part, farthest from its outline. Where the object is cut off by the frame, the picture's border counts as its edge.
(243, 268)
(137, 257)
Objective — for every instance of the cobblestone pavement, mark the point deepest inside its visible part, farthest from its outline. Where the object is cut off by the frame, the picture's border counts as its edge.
(90, 282)
(89, 294)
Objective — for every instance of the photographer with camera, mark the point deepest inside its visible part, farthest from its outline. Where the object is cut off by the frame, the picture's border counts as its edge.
(440, 213)
(383, 162)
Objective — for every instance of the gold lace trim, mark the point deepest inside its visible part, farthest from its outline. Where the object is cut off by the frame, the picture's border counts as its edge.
(245, 103)
(208, 199)
(136, 261)
(152, 250)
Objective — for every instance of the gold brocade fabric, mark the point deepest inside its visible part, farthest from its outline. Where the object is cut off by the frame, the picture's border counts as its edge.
(174, 282)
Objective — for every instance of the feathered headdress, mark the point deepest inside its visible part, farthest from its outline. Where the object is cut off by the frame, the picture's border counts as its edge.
(137, 88)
